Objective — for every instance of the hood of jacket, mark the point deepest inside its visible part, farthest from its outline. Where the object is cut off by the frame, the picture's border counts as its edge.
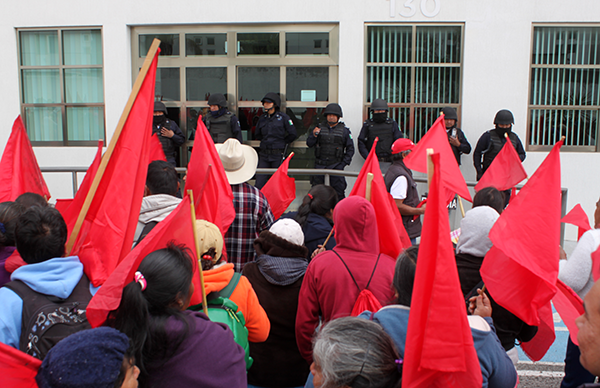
(356, 225)
(270, 244)
(218, 277)
(157, 207)
(57, 277)
(475, 229)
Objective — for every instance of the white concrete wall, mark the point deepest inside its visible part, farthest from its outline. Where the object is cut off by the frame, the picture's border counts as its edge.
(496, 50)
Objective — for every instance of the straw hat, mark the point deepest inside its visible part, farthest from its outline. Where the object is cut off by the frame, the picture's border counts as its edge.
(239, 160)
(209, 236)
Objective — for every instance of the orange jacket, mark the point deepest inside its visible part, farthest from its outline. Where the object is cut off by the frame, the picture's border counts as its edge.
(257, 322)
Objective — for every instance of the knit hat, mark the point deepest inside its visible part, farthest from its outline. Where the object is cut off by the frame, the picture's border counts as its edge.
(475, 229)
(89, 358)
(209, 236)
(289, 230)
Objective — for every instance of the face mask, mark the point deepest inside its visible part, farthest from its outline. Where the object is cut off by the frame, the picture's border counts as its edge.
(159, 119)
(501, 131)
(379, 117)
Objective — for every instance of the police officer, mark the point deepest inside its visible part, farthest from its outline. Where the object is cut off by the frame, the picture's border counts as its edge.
(383, 127)
(456, 137)
(334, 148)
(400, 184)
(276, 131)
(220, 122)
(168, 132)
(492, 141)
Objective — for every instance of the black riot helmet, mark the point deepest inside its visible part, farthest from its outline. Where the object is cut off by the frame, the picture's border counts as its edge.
(379, 104)
(272, 97)
(160, 107)
(504, 117)
(333, 109)
(449, 113)
(217, 99)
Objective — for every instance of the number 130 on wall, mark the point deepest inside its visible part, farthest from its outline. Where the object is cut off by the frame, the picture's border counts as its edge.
(409, 8)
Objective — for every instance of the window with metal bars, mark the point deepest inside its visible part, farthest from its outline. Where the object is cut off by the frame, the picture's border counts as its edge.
(564, 91)
(416, 69)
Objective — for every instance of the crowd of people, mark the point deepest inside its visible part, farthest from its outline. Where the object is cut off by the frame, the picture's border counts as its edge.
(279, 292)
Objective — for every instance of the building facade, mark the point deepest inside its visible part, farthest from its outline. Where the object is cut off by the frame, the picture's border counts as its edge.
(69, 67)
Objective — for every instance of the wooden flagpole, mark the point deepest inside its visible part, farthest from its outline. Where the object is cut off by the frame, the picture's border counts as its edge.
(111, 147)
(462, 208)
(429, 167)
(369, 185)
(198, 253)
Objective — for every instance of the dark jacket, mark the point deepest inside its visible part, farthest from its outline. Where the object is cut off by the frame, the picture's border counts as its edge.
(169, 144)
(465, 146)
(346, 145)
(508, 326)
(316, 229)
(277, 361)
(208, 357)
(223, 126)
(397, 169)
(274, 131)
(488, 149)
(388, 132)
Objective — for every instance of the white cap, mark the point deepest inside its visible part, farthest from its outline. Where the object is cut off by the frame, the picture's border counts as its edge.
(289, 230)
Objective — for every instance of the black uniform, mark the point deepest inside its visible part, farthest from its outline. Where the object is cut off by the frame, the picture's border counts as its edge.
(489, 145)
(275, 132)
(169, 145)
(223, 126)
(396, 170)
(387, 132)
(334, 150)
(465, 146)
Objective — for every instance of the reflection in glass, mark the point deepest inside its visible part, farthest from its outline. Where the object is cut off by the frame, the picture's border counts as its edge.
(84, 85)
(202, 81)
(85, 123)
(167, 84)
(307, 43)
(169, 44)
(307, 78)
(39, 48)
(258, 44)
(579, 126)
(44, 123)
(305, 119)
(248, 119)
(41, 86)
(255, 82)
(82, 47)
(205, 44)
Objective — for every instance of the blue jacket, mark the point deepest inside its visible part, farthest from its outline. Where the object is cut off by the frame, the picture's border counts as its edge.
(497, 370)
(315, 229)
(275, 131)
(57, 277)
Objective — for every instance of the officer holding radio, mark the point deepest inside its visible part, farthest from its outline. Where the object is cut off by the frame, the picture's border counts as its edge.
(456, 137)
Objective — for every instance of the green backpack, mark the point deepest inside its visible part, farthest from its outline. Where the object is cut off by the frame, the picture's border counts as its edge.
(224, 310)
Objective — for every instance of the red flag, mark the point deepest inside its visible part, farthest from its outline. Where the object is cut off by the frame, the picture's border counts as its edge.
(156, 150)
(439, 343)
(17, 369)
(72, 212)
(280, 190)
(537, 347)
(505, 172)
(522, 267)
(596, 264)
(106, 234)
(392, 235)
(451, 176)
(204, 154)
(570, 306)
(578, 218)
(176, 227)
(19, 169)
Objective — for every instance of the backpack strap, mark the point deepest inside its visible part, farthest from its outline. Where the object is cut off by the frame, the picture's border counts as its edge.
(147, 229)
(352, 276)
(228, 290)
(373, 273)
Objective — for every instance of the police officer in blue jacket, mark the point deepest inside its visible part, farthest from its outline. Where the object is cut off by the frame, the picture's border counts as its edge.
(334, 148)
(168, 132)
(275, 131)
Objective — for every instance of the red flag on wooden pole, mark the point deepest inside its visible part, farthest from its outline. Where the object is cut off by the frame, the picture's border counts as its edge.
(204, 154)
(280, 190)
(578, 218)
(521, 268)
(17, 369)
(156, 150)
(505, 172)
(392, 235)
(103, 232)
(19, 169)
(437, 139)
(177, 227)
(439, 343)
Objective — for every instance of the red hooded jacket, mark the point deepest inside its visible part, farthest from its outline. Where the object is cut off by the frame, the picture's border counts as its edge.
(328, 290)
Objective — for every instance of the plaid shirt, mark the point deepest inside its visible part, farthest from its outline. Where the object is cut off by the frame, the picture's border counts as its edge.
(252, 216)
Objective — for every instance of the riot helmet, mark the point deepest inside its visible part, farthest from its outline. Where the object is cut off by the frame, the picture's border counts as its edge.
(504, 117)
(217, 99)
(449, 113)
(272, 97)
(333, 109)
(379, 104)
